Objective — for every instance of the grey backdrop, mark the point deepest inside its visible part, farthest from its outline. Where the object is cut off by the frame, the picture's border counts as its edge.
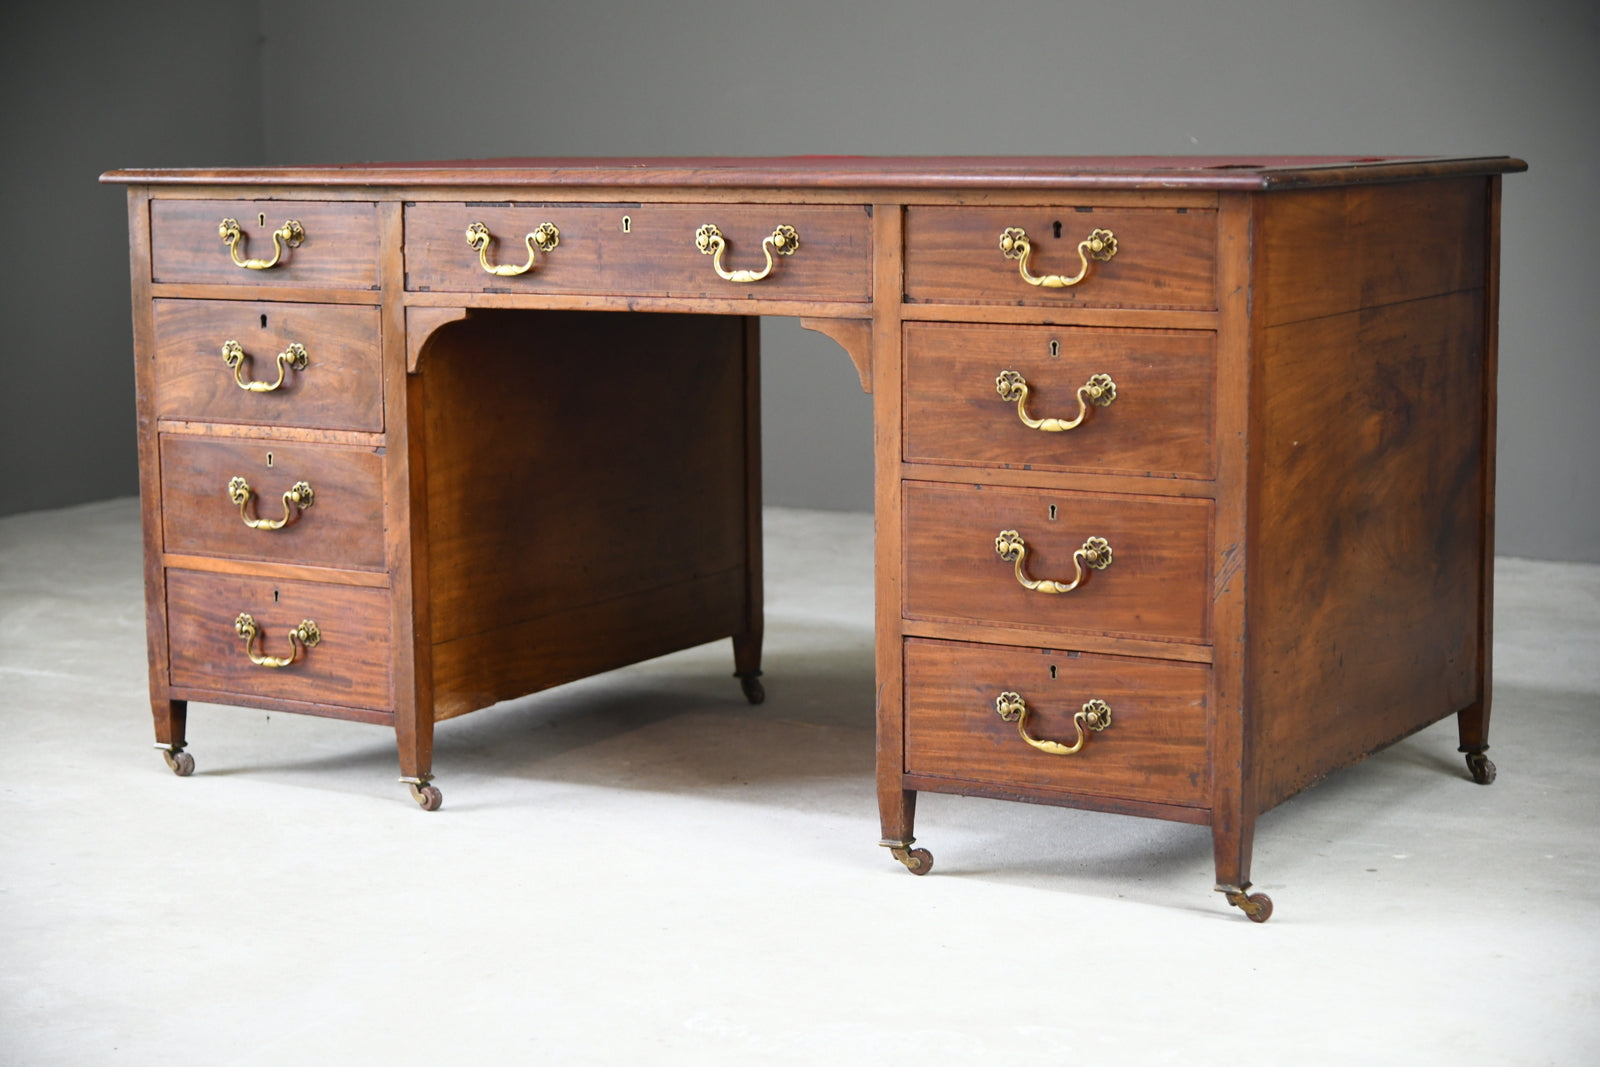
(92, 86)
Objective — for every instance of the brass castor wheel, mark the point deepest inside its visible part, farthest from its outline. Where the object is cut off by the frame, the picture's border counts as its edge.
(425, 793)
(1481, 767)
(917, 860)
(1257, 907)
(750, 682)
(181, 762)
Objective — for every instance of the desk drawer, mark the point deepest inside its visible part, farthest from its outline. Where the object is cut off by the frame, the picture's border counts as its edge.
(1158, 422)
(348, 665)
(342, 527)
(1156, 586)
(653, 253)
(1165, 258)
(337, 249)
(1153, 749)
(339, 387)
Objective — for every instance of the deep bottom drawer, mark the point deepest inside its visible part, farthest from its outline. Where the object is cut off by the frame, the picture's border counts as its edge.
(1153, 750)
(348, 666)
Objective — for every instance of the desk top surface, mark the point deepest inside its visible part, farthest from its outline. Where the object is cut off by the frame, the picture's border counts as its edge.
(855, 172)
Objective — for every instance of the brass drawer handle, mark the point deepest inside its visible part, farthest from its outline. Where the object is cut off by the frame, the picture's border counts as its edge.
(1014, 244)
(543, 239)
(291, 233)
(298, 497)
(302, 637)
(234, 355)
(784, 241)
(1099, 390)
(1095, 716)
(1096, 552)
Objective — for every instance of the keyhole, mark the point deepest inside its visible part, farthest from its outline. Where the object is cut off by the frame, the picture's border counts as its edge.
(1056, 226)
(1052, 672)
(269, 459)
(1052, 513)
(627, 224)
(1055, 346)
(261, 220)
(275, 600)
(264, 324)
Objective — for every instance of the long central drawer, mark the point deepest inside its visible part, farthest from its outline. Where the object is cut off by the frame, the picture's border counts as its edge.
(641, 250)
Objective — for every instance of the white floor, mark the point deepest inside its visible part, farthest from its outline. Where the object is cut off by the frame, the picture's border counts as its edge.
(641, 868)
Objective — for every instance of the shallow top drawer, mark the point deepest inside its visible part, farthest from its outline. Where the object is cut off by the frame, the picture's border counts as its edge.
(1121, 257)
(269, 364)
(739, 251)
(278, 243)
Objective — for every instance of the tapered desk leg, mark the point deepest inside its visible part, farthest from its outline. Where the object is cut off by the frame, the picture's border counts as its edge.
(747, 643)
(897, 809)
(414, 738)
(171, 721)
(1472, 724)
(1232, 837)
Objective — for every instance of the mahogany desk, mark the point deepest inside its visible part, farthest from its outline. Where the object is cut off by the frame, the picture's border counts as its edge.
(1184, 467)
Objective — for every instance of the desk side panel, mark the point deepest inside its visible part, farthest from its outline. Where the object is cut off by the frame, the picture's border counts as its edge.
(1367, 446)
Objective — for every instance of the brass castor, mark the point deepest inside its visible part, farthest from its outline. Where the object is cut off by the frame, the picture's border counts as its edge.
(750, 682)
(1481, 768)
(1257, 907)
(181, 762)
(917, 860)
(425, 793)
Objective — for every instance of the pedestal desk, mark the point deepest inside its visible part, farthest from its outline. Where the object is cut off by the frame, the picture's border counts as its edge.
(1184, 467)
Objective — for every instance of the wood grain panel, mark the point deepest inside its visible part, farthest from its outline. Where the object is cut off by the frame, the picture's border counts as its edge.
(342, 528)
(574, 459)
(1154, 750)
(1160, 423)
(1165, 258)
(1157, 586)
(1366, 572)
(657, 256)
(478, 669)
(340, 250)
(1331, 251)
(341, 387)
(350, 667)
